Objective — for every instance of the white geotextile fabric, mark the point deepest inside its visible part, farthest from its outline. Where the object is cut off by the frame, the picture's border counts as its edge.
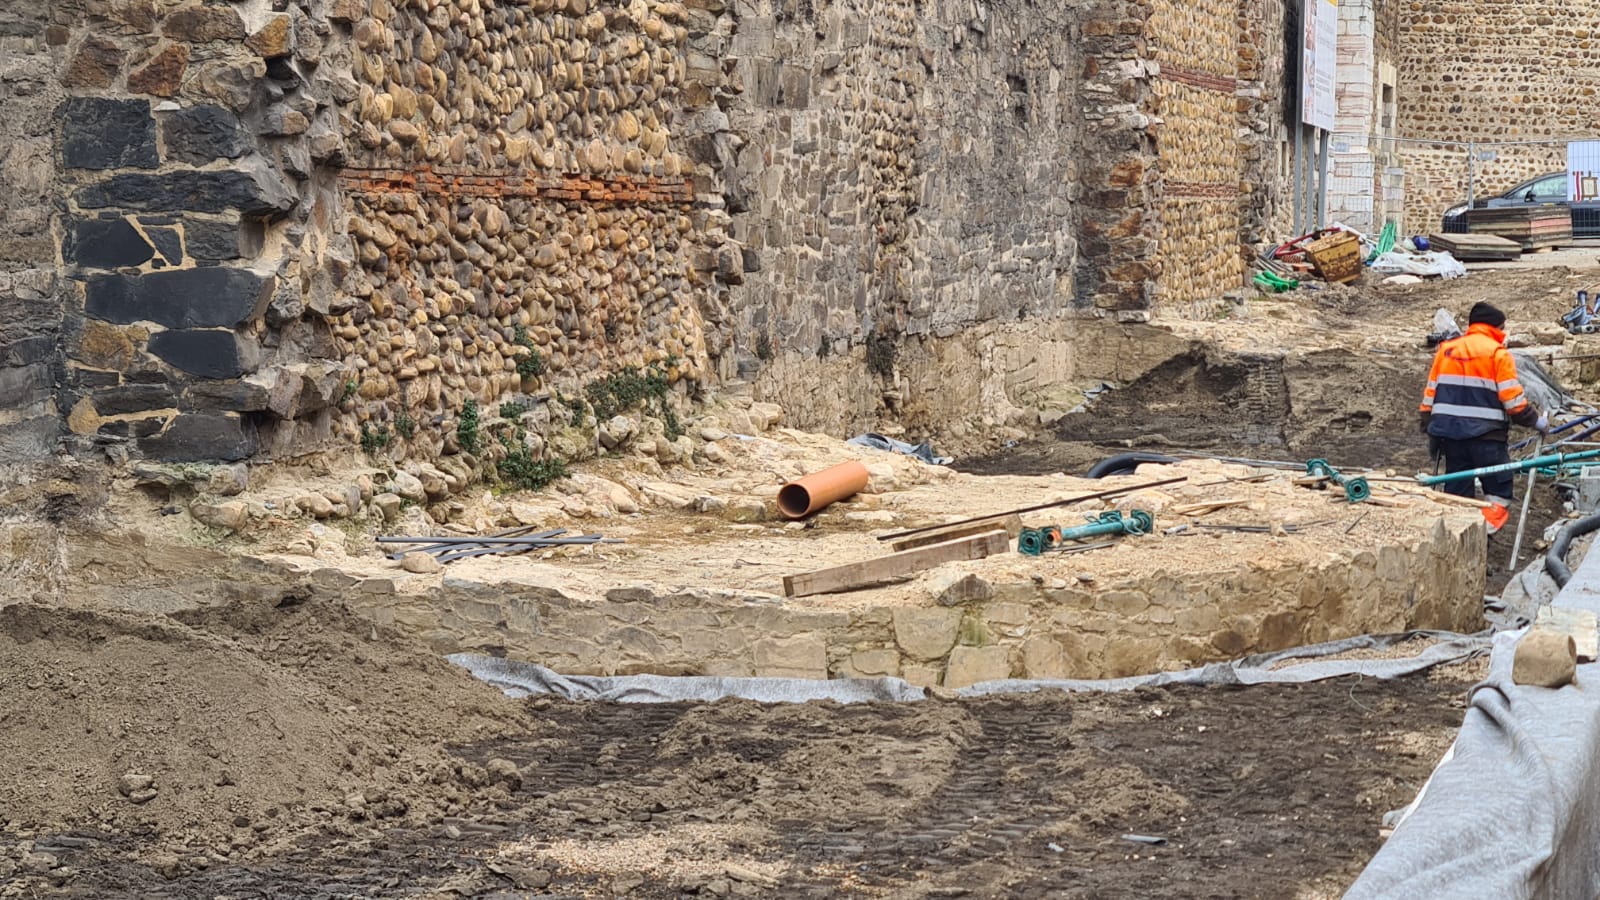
(521, 679)
(1513, 810)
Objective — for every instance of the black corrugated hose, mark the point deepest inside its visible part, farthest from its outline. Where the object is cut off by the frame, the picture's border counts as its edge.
(1555, 559)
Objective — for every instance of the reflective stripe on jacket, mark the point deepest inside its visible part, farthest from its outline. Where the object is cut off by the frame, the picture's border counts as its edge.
(1472, 387)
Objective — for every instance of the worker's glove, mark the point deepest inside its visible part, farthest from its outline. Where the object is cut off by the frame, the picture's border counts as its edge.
(1543, 424)
(1422, 422)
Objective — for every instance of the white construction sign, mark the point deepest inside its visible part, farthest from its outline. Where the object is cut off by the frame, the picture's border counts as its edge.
(1583, 171)
(1319, 56)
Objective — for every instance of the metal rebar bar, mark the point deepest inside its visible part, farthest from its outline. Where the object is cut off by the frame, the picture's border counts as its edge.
(519, 531)
(453, 555)
(507, 541)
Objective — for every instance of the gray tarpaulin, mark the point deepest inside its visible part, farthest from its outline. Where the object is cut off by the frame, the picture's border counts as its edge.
(1513, 811)
(922, 451)
(520, 679)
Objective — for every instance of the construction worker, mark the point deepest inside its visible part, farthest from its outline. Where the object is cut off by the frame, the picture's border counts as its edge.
(1471, 400)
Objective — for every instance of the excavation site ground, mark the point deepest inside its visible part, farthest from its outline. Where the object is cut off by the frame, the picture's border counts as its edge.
(203, 706)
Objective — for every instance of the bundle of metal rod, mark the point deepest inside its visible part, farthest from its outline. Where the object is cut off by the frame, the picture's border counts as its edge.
(435, 547)
(1560, 428)
(1257, 463)
(1265, 529)
(449, 549)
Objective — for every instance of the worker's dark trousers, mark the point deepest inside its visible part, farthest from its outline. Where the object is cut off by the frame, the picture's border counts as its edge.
(1459, 456)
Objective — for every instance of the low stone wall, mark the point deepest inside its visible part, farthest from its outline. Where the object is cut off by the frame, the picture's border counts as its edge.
(1053, 629)
(1119, 623)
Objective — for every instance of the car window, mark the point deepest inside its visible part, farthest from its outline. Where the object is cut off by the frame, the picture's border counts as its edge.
(1550, 189)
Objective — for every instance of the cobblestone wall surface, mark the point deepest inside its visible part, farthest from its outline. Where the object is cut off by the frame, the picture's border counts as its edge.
(266, 227)
(1198, 55)
(1492, 71)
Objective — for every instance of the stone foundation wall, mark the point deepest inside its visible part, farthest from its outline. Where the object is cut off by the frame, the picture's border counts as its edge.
(1492, 71)
(1050, 630)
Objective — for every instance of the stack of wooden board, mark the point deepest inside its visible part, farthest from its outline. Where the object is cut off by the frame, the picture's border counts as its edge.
(1482, 247)
(1534, 227)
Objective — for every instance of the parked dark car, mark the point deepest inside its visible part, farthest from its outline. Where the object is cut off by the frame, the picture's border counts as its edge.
(1546, 189)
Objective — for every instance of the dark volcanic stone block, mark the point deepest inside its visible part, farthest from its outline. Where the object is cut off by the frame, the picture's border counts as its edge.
(133, 398)
(252, 190)
(167, 243)
(201, 134)
(209, 354)
(106, 244)
(212, 297)
(216, 240)
(108, 134)
(234, 396)
(194, 437)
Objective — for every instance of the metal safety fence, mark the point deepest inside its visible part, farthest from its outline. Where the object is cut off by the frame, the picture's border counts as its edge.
(1426, 186)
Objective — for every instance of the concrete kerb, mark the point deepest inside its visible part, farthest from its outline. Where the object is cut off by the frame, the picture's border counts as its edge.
(1513, 809)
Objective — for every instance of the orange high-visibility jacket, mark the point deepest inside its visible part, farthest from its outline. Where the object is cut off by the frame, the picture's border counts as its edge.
(1473, 388)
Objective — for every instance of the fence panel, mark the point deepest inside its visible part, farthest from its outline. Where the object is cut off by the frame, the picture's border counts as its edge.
(1375, 179)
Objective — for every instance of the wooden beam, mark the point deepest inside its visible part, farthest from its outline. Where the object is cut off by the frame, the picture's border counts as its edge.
(872, 571)
(1011, 524)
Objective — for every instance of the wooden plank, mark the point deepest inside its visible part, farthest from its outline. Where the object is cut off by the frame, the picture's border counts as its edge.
(1011, 524)
(1205, 507)
(1442, 497)
(872, 571)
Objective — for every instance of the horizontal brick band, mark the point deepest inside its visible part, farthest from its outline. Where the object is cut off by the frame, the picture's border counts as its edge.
(1185, 189)
(1196, 78)
(571, 188)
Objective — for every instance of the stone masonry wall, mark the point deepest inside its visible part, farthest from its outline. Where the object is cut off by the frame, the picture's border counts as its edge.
(31, 289)
(900, 175)
(516, 196)
(1195, 47)
(1265, 212)
(191, 215)
(1492, 71)
(265, 227)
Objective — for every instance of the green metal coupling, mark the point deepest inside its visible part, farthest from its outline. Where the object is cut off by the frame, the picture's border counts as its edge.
(1038, 541)
(1355, 489)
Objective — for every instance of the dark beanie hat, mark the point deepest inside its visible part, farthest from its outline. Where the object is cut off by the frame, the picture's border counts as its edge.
(1488, 315)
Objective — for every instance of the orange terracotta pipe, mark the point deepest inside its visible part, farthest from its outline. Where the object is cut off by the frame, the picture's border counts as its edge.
(804, 496)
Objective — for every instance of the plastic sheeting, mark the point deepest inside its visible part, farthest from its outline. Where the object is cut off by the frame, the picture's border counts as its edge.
(521, 679)
(1513, 810)
(922, 451)
(1433, 262)
(1541, 387)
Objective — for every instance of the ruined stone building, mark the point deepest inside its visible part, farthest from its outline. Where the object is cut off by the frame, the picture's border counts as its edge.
(258, 228)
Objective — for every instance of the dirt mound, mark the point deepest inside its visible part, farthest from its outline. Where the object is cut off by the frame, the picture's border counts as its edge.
(230, 727)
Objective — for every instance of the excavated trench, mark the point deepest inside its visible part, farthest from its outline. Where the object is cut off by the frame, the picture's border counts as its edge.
(1291, 407)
